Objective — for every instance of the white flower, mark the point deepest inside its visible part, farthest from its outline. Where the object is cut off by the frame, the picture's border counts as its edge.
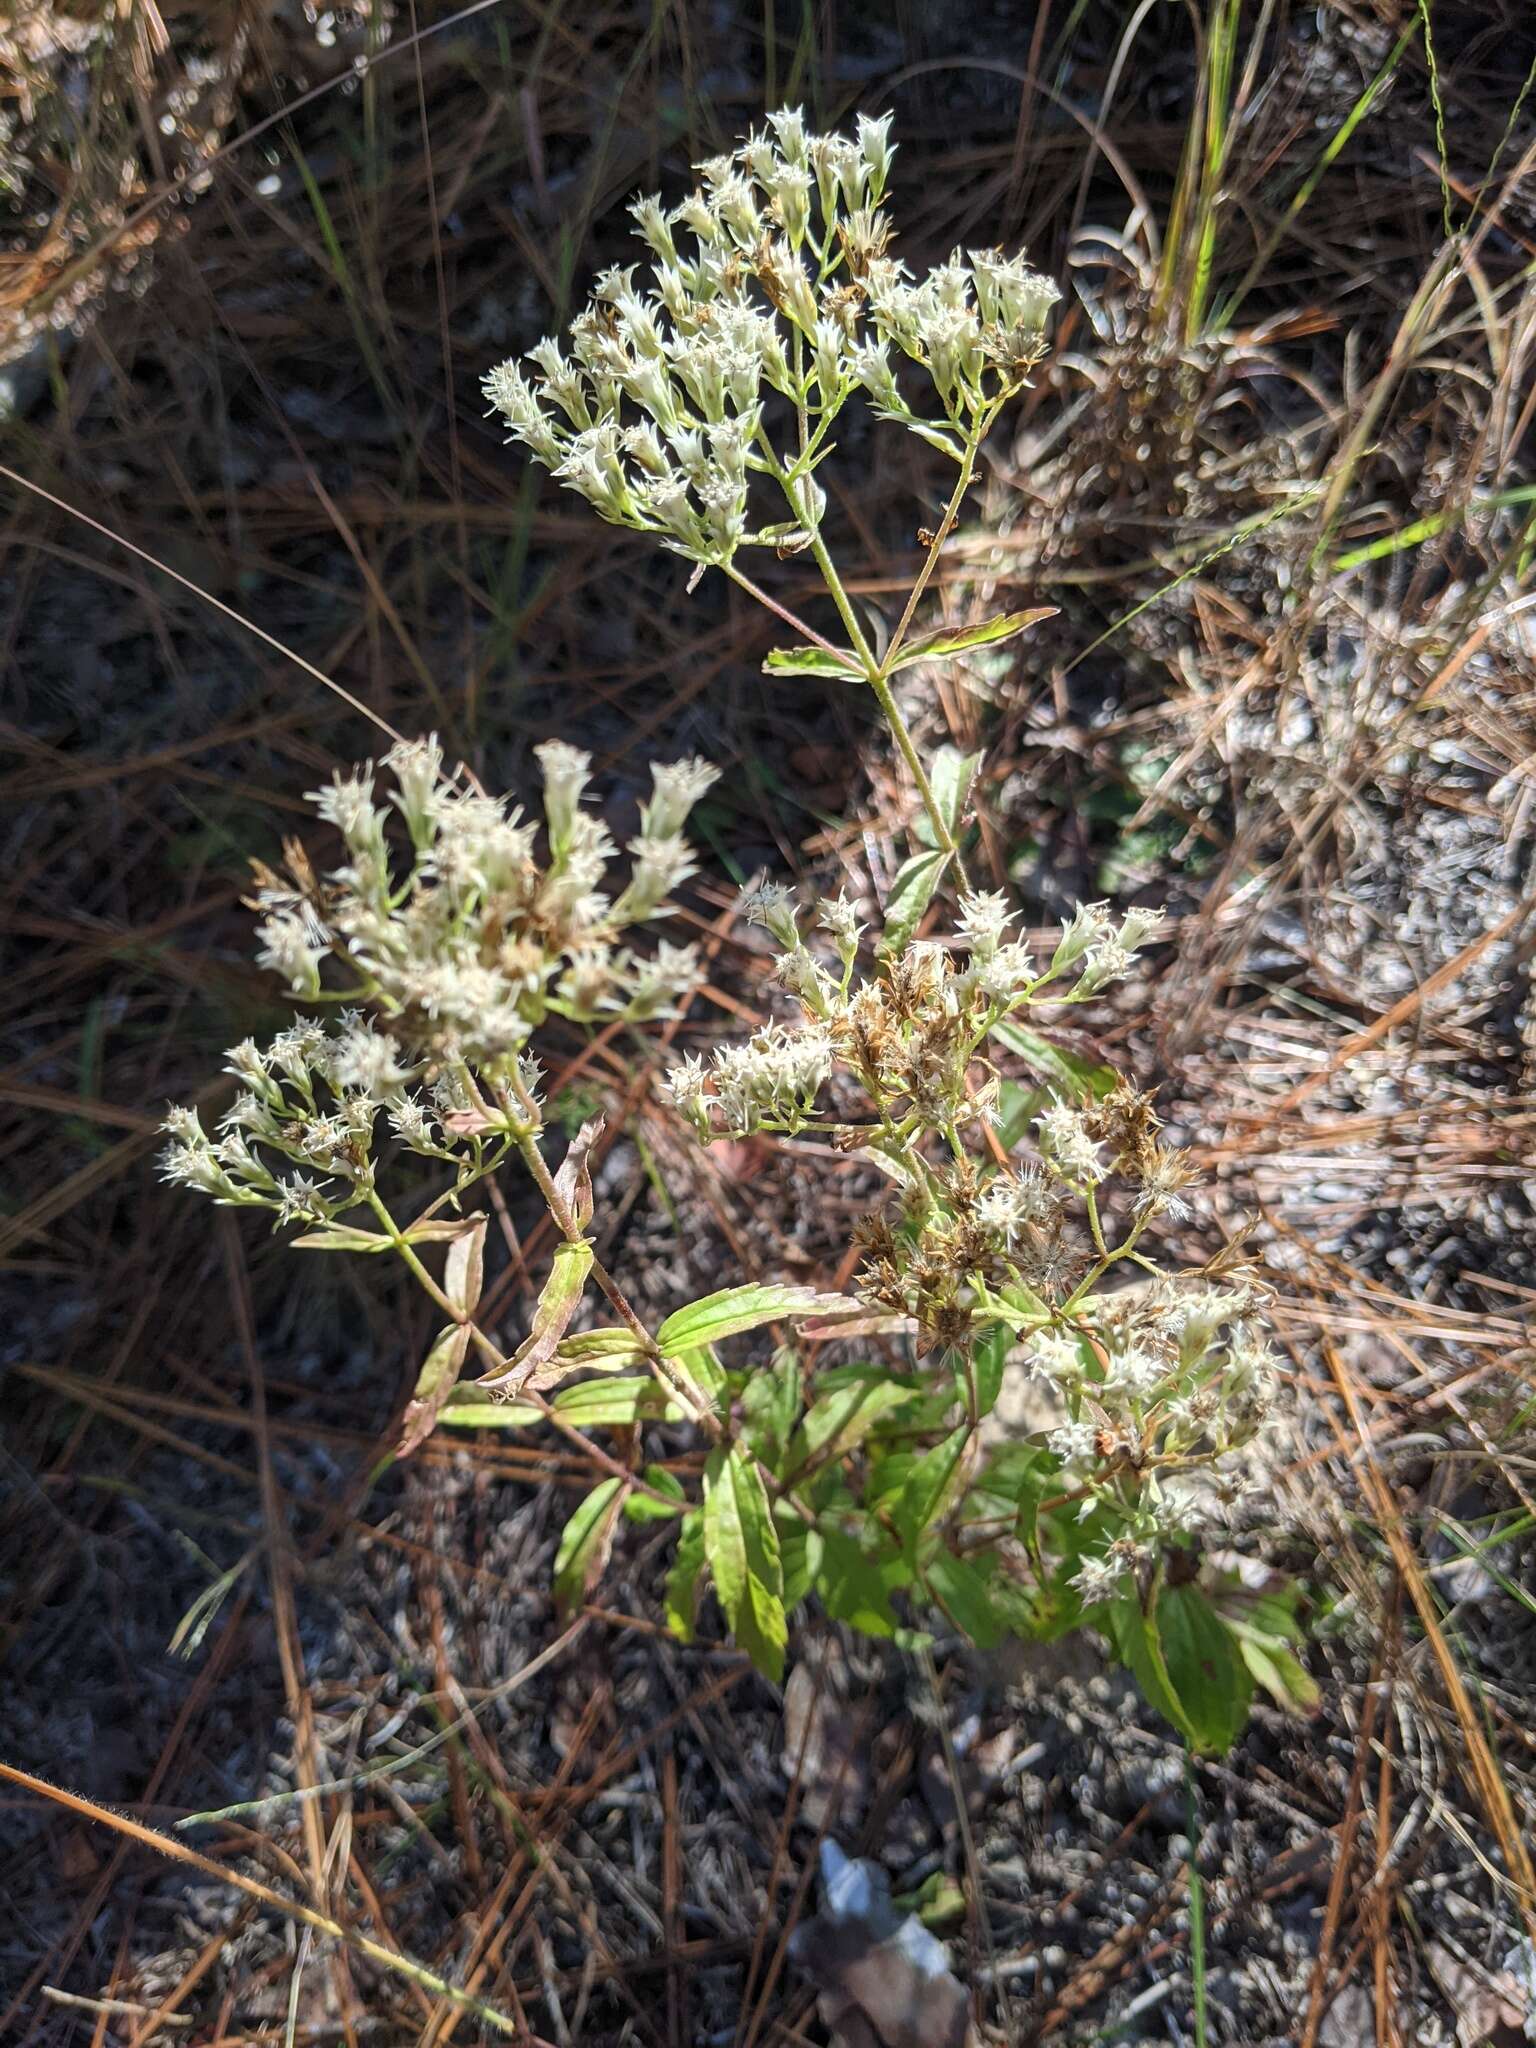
(367, 1062)
(1011, 1205)
(1076, 1444)
(841, 919)
(411, 1123)
(1067, 1146)
(1011, 295)
(293, 943)
(1055, 1356)
(984, 918)
(417, 766)
(659, 866)
(302, 1200)
(1089, 922)
(565, 769)
(184, 1125)
(877, 149)
(1100, 1578)
(772, 905)
(678, 787)
(1140, 927)
(195, 1166)
(348, 804)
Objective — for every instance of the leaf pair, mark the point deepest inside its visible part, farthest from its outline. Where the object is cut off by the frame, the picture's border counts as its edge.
(841, 664)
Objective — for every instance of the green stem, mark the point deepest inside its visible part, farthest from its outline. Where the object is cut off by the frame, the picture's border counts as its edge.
(980, 423)
(1196, 1905)
(876, 675)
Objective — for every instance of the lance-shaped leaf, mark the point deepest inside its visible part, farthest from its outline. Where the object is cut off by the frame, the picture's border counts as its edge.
(534, 1362)
(911, 893)
(1069, 1076)
(682, 1593)
(464, 1274)
(573, 1183)
(931, 1484)
(1187, 1662)
(940, 646)
(599, 1350)
(466, 1409)
(442, 1231)
(960, 1585)
(742, 1546)
(612, 1403)
(839, 1421)
(585, 1542)
(950, 777)
(814, 661)
(434, 1383)
(341, 1237)
(735, 1309)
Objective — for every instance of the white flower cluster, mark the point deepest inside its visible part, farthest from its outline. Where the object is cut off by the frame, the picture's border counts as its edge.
(465, 951)
(1170, 1382)
(777, 303)
(910, 1035)
(311, 1100)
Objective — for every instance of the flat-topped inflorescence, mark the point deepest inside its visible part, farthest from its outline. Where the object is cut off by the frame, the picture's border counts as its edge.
(448, 951)
(772, 298)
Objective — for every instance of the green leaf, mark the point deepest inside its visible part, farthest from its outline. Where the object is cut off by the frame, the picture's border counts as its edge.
(800, 1550)
(911, 893)
(1281, 1673)
(1188, 1663)
(534, 1363)
(742, 1545)
(841, 663)
(1265, 1625)
(1017, 1108)
(599, 1350)
(930, 1484)
(950, 776)
(683, 1580)
(989, 1361)
(735, 1309)
(1069, 1075)
(1139, 1646)
(639, 1507)
(855, 1587)
(585, 1542)
(840, 1420)
(938, 646)
(959, 1585)
(771, 1402)
(463, 1410)
(701, 1367)
(938, 1902)
(1021, 1473)
(341, 1237)
(434, 1383)
(598, 1403)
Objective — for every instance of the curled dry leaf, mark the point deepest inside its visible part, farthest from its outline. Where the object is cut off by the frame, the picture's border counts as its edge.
(434, 1384)
(573, 1183)
(826, 1748)
(882, 1981)
(530, 1363)
(462, 1280)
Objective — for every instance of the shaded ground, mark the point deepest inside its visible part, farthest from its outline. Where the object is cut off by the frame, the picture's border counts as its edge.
(1324, 770)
